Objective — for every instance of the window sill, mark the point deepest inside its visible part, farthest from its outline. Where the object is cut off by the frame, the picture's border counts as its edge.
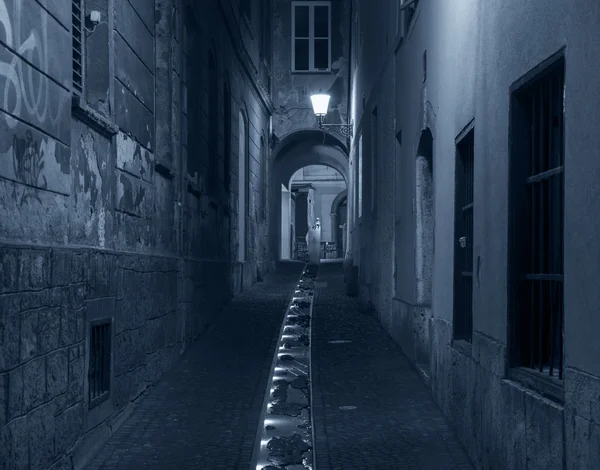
(462, 346)
(92, 117)
(311, 72)
(549, 387)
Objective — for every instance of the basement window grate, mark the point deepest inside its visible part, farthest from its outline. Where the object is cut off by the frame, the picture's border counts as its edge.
(538, 222)
(99, 366)
(463, 258)
(77, 36)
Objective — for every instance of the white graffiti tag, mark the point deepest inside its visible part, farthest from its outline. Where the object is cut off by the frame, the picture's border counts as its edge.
(20, 88)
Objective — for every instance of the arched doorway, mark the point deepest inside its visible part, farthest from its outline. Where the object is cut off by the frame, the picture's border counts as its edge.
(293, 152)
(339, 216)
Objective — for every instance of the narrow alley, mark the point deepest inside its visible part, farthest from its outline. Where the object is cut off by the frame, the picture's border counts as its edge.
(299, 234)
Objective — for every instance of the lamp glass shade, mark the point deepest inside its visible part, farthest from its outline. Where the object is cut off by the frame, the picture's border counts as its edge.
(320, 103)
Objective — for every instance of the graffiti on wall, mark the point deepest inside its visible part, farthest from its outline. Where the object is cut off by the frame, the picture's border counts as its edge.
(33, 106)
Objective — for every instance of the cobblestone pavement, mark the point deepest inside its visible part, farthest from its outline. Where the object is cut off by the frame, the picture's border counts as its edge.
(396, 424)
(204, 413)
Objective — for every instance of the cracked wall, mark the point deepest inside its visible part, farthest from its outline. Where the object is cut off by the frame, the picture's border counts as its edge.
(98, 220)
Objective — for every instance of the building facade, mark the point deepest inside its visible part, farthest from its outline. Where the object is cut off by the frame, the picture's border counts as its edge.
(133, 203)
(475, 122)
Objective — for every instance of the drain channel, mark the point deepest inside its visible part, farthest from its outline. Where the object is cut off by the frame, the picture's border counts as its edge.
(285, 437)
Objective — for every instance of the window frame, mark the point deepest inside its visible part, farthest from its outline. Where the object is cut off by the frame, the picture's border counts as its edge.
(464, 202)
(78, 89)
(543, 382)
(311, 4)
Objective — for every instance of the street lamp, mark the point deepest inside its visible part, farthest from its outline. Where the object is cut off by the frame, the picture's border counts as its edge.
(320, 103)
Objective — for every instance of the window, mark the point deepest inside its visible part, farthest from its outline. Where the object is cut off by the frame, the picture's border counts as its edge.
(99, 365)
(77, 36)
(246, 8)
(227, 137)
(213, 125)
(374, 160)
(537, 224)
(263, 178)
(311, 36)
(359, 171)
(409, 8)
(463, 234)
(242, 185)
(265, 34)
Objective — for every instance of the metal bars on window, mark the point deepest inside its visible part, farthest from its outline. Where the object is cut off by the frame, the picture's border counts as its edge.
(463, 257)
(77, 37)
(99, 366)
(538, 314)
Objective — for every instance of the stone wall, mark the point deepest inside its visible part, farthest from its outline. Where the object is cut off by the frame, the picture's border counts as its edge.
(101, 218)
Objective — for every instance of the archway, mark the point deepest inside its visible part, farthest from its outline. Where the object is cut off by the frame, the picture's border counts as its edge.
(339, 218)
(295, 151)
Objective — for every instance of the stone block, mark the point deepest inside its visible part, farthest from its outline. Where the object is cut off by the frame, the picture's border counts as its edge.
(9, 331)
(156, 334)
(9, 270)
(15, 393)
(122, 390)
(64, 463)
(490, 353)
(14, 445)
(130, 351)
(515, 426)
(34, 383)
(29, 335)
(545, 440)
(33, 270)
(76, 351)
(76, 380)
(61, 264)
(40, 426)
(101, 276)
(49, 329)
(69, 426)
(3, 399)
(56, 373)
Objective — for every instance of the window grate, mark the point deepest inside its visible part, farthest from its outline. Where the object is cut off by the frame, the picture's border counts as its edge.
(77, 36)
(99, 366)
(463, 259)
(538, 302)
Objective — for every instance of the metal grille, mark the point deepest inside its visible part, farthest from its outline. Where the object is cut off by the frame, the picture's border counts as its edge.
(99, 367)
(77, 35)
(539, 296)
(463, 259)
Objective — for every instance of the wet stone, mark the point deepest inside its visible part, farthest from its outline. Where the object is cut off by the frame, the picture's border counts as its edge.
(301, 383)
(304, 426)
(272, 467)
(270, 427)
(286, 346)
(302, 303)
(279, 394)
(287, 357)
(287, 409)
(303, 339)
(287, 450)
(300, 320)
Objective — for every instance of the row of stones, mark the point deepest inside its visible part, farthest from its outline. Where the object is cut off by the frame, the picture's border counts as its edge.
(287, 435)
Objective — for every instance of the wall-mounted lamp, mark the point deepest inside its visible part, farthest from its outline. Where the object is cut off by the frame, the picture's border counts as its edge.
(320, 103)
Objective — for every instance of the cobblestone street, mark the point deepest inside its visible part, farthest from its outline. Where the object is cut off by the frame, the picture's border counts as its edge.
(204, 414)
(391, 421)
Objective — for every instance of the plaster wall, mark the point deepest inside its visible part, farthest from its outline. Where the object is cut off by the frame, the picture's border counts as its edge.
(501, 422)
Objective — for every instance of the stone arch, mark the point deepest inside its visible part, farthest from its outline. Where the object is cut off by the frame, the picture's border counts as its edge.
(293, 152)
(424, 241)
